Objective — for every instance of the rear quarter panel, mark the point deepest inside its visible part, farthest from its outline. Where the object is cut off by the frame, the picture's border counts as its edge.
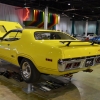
(38, 52)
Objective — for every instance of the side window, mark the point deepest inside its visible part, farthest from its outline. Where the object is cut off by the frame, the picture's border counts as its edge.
(12, 36)
(19, 34)
(41, 36)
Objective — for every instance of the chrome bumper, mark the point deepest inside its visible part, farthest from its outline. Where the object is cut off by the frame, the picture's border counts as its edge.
(76, 63)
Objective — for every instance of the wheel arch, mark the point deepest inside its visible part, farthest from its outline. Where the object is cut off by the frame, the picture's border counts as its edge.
(21, 57)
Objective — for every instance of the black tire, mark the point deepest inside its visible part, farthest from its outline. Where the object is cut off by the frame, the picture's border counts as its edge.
(35, 74)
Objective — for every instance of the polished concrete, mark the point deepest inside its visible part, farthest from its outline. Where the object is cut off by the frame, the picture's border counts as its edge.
(84, 86)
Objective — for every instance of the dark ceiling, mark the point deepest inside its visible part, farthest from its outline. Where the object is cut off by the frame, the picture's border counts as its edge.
(76, 9)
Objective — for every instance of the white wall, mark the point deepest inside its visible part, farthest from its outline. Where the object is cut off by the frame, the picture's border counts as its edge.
(79, 28)
(92, 27)
(64, 24)
(11, 13)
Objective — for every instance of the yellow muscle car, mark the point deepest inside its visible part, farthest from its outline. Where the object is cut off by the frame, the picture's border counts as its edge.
(38, 51)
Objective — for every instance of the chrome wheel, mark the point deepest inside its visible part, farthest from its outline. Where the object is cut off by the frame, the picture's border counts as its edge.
(26, 70)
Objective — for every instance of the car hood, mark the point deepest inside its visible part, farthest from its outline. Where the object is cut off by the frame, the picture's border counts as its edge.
(75, 49)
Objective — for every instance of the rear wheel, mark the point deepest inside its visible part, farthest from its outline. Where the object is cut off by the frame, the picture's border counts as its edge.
(28, 71)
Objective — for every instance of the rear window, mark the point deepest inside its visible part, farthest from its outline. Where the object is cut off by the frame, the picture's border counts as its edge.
(40, 35)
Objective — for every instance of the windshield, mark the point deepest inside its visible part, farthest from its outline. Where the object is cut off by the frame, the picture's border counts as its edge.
(41, 35)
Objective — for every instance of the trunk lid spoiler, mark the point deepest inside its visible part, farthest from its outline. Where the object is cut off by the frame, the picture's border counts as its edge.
(69, 42)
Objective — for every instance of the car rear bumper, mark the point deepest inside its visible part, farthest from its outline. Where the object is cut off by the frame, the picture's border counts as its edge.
(55, 72)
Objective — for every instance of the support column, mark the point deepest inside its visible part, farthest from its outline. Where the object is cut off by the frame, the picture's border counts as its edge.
(97, 27)
(29, 89)
(73, 22)
(46, 18)
(54, 27)
(86, 27)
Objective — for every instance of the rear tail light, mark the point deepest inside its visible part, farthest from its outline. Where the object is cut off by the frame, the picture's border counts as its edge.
(76, 64)
(68, 66)
(97, 60)
(73, 65)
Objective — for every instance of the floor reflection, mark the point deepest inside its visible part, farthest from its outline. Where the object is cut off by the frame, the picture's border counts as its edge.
(83, 86)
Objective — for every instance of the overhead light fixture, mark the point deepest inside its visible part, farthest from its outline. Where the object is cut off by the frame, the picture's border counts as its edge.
(69, 4)
(39, 10)
(73, 15)
(25, 4)
(26, 7)
(86, 16)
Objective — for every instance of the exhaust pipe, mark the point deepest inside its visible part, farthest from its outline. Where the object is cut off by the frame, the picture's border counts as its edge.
(88, 70)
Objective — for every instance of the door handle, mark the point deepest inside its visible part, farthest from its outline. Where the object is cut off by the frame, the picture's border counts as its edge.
(8, 44)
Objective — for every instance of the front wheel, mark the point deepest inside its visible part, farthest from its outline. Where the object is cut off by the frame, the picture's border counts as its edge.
(29, 72)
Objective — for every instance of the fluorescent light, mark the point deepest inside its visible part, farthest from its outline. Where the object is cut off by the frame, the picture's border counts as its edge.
(26, 7)
(69, 4)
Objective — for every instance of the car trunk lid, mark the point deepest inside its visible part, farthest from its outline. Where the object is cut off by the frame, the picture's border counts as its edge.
(75, 48)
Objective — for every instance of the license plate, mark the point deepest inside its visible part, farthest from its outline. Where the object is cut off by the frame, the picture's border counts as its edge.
(89, 62)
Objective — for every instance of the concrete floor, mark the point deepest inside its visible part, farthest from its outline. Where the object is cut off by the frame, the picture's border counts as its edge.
(85, 86)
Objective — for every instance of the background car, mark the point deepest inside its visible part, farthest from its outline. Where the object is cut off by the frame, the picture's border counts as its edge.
(88, 37)
(96, 39)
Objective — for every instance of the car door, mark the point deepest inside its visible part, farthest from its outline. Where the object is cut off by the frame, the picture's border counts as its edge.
(8, 46)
